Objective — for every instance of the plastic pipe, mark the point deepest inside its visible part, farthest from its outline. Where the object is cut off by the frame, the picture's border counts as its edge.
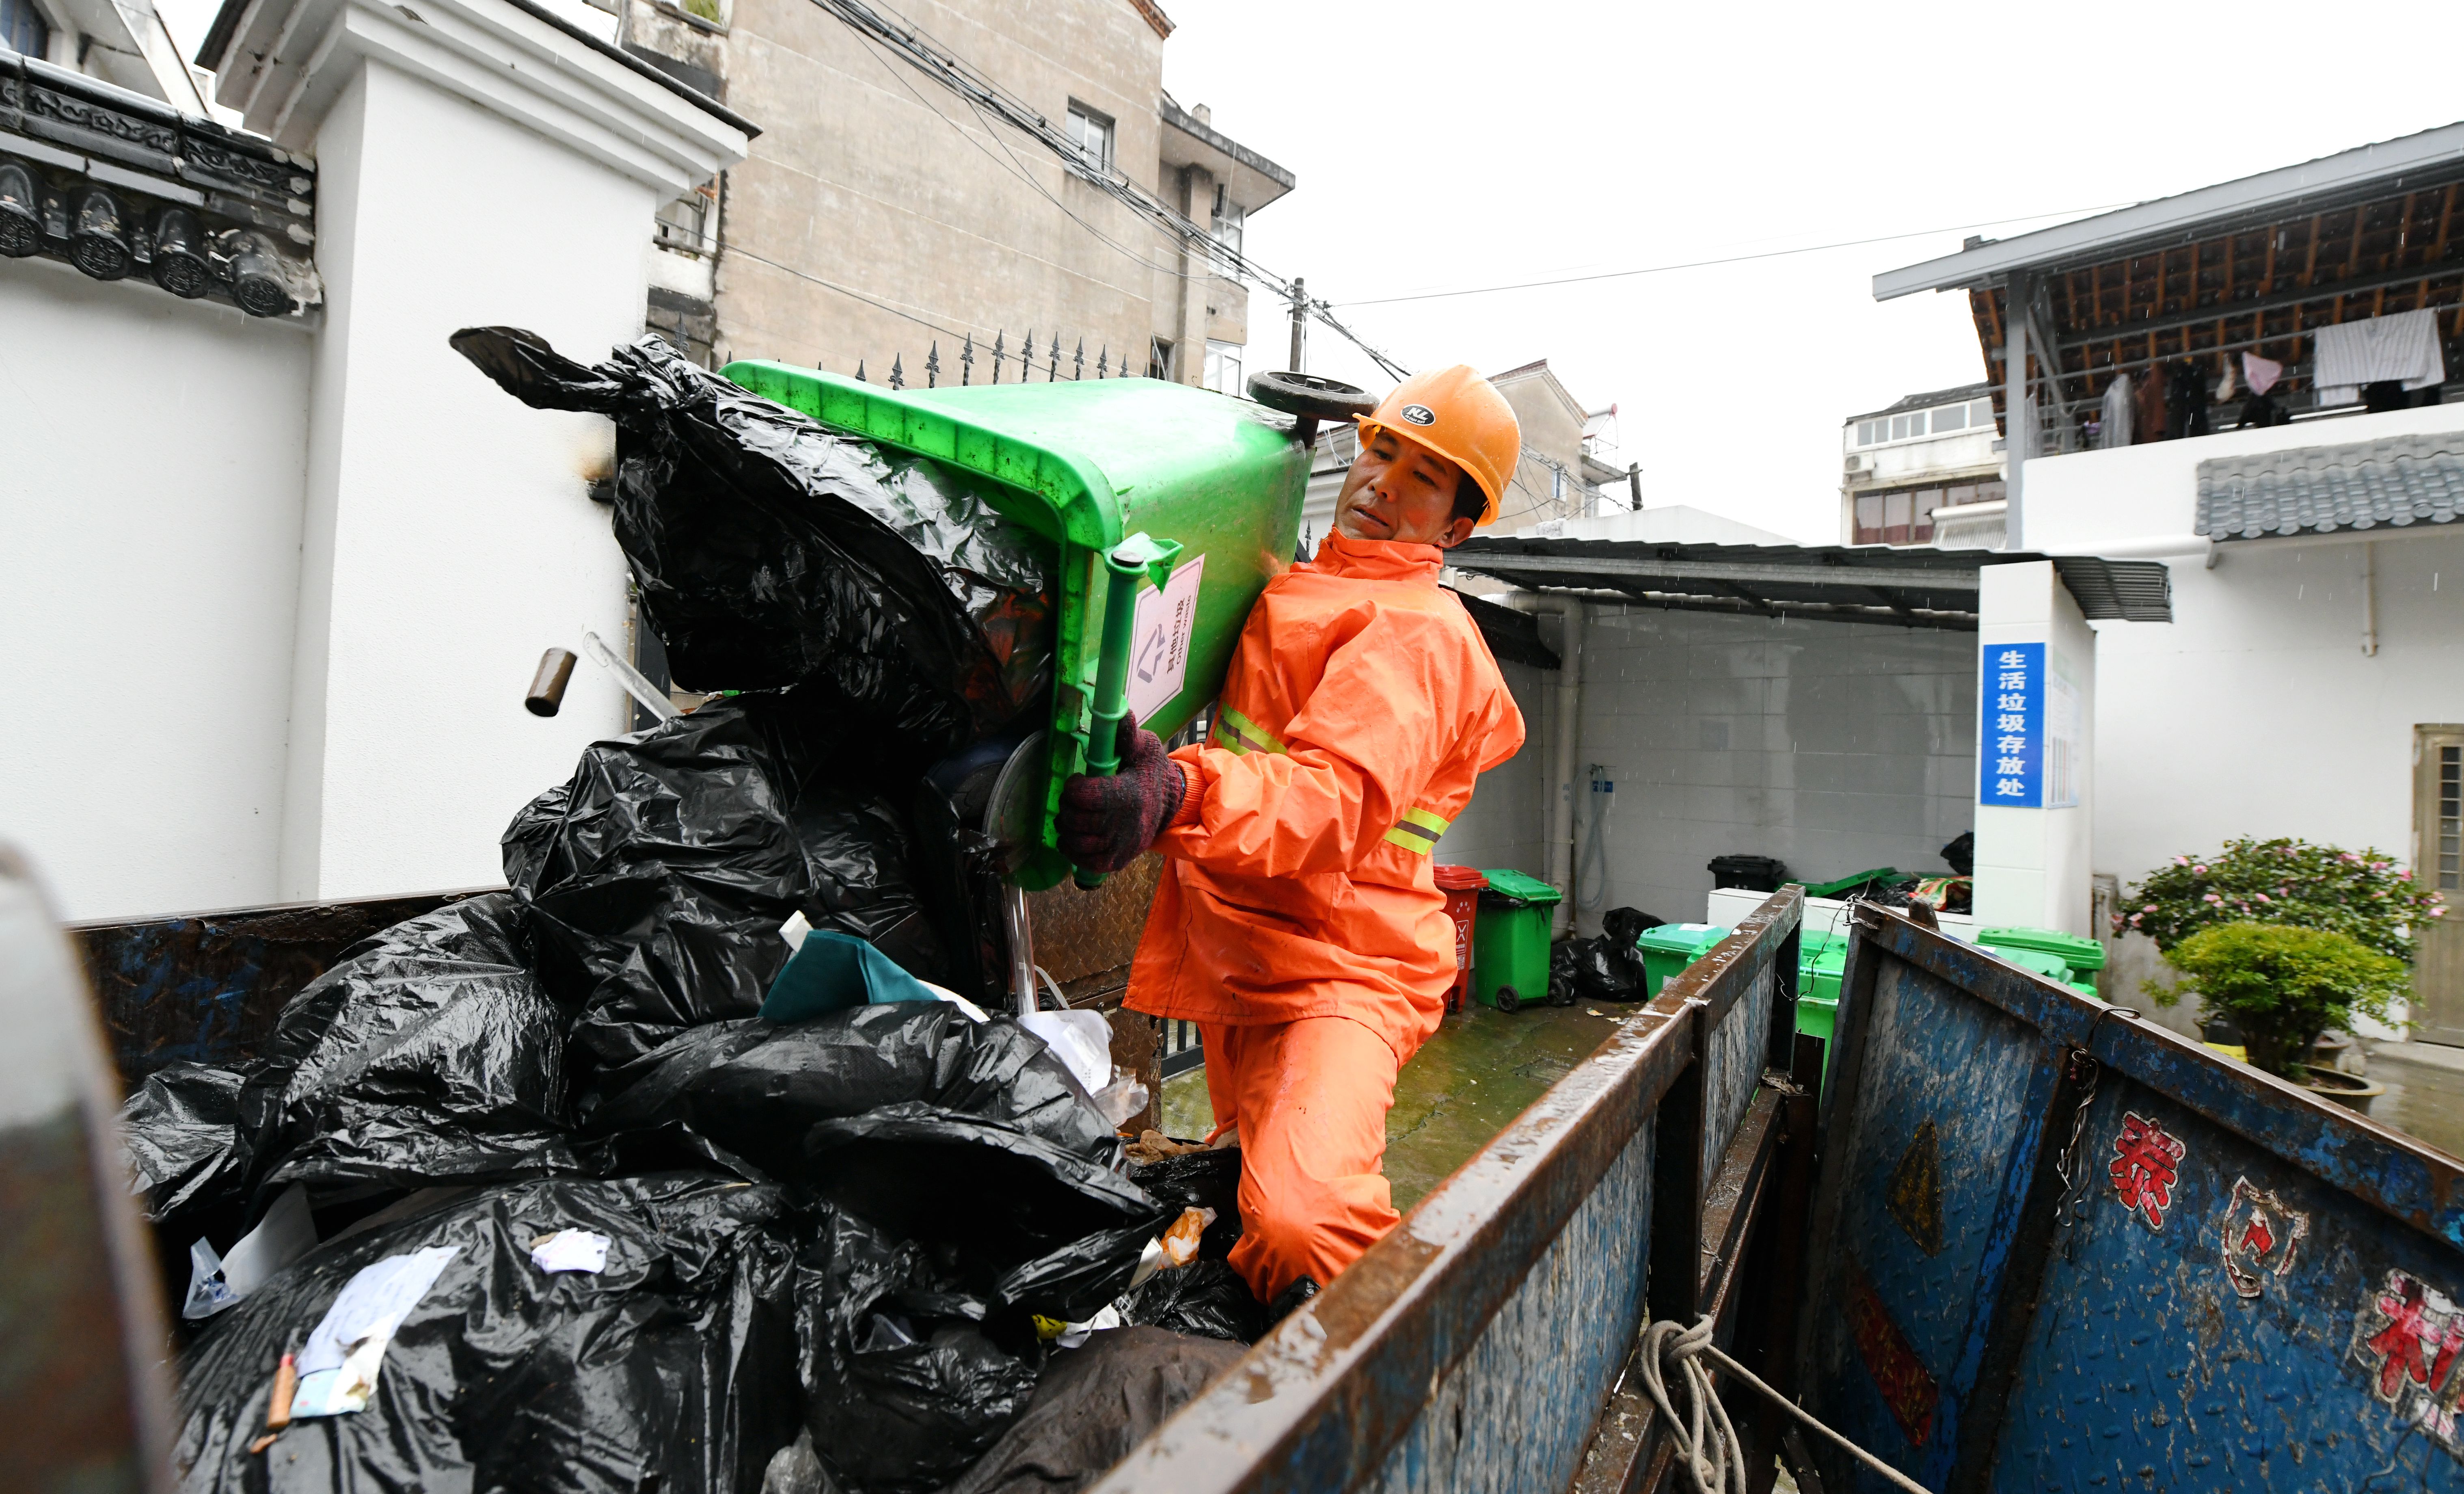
(1561, 784)
(635, 686)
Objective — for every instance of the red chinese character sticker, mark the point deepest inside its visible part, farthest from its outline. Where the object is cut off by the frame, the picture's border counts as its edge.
(2407, 1341)
(2147, 1162)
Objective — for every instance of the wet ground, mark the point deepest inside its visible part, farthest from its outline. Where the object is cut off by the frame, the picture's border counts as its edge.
(2425, 1092)
(1475, 1074)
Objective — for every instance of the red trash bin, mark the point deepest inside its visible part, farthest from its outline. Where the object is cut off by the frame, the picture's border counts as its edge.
(1463, 887)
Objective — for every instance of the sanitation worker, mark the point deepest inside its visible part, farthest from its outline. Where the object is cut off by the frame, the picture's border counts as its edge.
(1296, 922)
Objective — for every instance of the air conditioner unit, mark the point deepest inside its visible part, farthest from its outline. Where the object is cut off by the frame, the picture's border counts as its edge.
(1856, 465)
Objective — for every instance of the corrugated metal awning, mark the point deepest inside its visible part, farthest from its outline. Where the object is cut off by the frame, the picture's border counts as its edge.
(1863, 584)
(2399, 481)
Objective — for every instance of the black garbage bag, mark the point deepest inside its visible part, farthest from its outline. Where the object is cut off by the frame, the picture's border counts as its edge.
(1960, 854)
(855, 849)
(769, 552)
(905, 1388)
(1093, 1405)
(179, 1138)
(1623, 926)
(657, 878)
(1604, 969)
(992, 1196)
(1209, 1179)
(757, 1087)
(1205, 1297)
(674, 1367)
(427, 1054)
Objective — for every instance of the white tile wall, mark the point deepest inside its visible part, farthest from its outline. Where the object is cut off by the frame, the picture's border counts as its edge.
(1834, 747)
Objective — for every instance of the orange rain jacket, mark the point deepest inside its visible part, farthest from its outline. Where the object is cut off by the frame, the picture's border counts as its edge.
(1360, 706)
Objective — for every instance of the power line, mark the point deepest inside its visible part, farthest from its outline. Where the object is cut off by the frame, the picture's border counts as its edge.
(1733, 259)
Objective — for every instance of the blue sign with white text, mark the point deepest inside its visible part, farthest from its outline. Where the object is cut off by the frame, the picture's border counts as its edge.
(2011, 755)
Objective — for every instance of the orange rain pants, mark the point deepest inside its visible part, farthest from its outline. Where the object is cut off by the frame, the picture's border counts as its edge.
(1360, 707)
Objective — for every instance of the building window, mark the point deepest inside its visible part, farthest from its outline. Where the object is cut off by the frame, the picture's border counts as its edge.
(1885, 429)
(23, 29)
(1092, 134)
(1229, 217)
(1906, 517)
(1160, 358)
(1224, 366)
(683, 224)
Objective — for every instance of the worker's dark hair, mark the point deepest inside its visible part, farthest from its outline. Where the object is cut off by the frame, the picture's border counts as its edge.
(1469, 501)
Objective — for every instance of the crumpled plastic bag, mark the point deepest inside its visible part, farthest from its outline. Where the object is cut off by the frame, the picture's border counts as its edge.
(1206, 1298)
(905, 1386)
(1093, 1406)
(770, 552)
(179, 1138)
(757, 1088)
(990, 1193)
(855, 849)
(672, 1366)
(1209, 1178)
(428, 1053)
(657, 878)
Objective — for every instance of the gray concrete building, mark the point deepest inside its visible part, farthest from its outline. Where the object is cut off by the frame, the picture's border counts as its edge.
(934, 186)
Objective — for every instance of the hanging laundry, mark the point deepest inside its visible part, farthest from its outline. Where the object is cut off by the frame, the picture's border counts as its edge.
(2117, 414)
(2260, 373)
(2225, 389)
(2186, 402)
(2147, 421)
(2402, 348)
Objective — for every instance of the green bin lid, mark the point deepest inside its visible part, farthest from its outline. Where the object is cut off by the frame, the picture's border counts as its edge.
(1518, 887)
(1830, 958)
(1809, 941)
(2038, 960)
(2069, 947)
(1843, 883)
(2084, 988)
(1689, 939)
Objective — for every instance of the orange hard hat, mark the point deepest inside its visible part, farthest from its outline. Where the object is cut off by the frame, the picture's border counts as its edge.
(1461, 416)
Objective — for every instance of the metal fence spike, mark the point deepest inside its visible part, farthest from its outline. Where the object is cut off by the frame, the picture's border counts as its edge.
(859, 372)
(1026, 357)
(998, 355)
(1052, 369)
(967, 362)
(1103, 363)
(897, 373)
(933, 366)
(1078, 362)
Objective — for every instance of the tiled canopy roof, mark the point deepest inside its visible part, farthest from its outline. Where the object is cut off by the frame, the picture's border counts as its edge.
(2398, 481)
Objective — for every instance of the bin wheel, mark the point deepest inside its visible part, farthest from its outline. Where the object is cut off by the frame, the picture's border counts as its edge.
(1310, 396)
(1507, 1001)
(1561, 996)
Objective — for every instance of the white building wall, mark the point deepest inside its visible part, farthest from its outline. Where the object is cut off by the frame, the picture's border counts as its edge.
(1834, 747)
(149, 553)
(451, 523)
(2255, 711)
(1503, 825)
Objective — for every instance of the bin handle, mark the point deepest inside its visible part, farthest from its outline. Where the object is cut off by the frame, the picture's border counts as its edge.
(1139, 558)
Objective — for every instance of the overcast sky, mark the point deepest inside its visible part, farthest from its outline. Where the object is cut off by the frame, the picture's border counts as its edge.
(1444, 146)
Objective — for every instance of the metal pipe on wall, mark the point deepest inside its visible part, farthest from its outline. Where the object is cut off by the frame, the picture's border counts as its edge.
(1561, 769)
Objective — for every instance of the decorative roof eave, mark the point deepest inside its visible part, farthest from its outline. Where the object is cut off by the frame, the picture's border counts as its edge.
(2397, 483)
(115, 184)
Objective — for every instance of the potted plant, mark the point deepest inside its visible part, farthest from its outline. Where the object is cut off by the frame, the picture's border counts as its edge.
(2363, 894)
(2282, 987)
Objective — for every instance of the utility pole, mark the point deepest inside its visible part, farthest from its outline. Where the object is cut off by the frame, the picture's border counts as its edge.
(1634, 483)
(1300, 320)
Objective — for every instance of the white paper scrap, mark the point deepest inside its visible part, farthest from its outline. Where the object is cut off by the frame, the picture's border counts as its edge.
(337, 1366)
(570, 1250)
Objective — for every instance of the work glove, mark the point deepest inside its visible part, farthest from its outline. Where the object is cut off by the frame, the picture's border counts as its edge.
(1106, 822)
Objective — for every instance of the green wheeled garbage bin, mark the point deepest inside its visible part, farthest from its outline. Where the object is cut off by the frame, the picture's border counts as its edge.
(1671, 947)
(2084, 956)
(1821, 960)
(1182, 501)
(1509, 942)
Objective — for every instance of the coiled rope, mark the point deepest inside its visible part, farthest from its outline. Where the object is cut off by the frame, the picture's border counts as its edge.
(1706, 1442)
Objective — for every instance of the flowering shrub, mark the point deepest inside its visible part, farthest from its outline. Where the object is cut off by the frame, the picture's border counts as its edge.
(2361, 894)
(2283, 987)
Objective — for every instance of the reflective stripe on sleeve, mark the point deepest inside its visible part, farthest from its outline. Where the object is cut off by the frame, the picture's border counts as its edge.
(1237, 733)
(1417, 831)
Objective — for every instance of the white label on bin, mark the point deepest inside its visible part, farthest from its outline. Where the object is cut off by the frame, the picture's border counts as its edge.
(1159, 643)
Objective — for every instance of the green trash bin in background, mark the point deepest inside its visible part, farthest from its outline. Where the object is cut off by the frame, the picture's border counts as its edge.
(1509, 940)
(1088, 464)
(1671, 947)
(2084, 956)
(1821, 961)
